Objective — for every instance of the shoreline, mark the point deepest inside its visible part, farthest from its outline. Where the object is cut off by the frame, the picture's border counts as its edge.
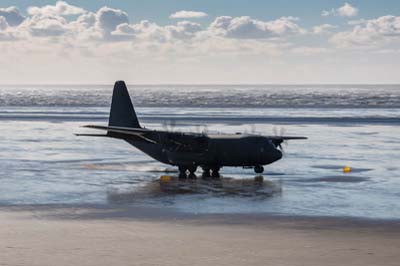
(149, 213)
(78, 235)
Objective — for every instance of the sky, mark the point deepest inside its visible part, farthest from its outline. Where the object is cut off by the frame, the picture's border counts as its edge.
(199, 42)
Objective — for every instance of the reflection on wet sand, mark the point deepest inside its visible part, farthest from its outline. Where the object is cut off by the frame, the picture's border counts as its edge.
(168, 185)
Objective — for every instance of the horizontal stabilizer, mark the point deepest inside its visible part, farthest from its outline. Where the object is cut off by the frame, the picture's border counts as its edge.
(127, 131)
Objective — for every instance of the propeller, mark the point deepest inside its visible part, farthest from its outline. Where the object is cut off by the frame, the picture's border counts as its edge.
(165, 125)
(169, 126)
(172, 124)
(279, 133)
(279, 145)
(253, 129)
(205, 129)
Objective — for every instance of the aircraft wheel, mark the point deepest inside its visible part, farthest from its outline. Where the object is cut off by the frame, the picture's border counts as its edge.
(192, 176)
(206, 173)
(259, 169)
(215, 172)
(182, 171)
(192, 169)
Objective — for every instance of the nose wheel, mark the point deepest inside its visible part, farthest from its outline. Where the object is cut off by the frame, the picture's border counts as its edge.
(258, 169)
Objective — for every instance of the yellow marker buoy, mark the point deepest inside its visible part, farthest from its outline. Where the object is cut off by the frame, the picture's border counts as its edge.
(165, 178)
(347, 169)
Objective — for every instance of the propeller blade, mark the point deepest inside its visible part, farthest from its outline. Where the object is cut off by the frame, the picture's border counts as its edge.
(172, 124)
(274, 131)
(282, 131)
(281, 148)
(253, 128)
(286, 143)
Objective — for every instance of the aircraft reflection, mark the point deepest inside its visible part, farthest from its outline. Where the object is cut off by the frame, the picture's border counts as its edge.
(168, 185)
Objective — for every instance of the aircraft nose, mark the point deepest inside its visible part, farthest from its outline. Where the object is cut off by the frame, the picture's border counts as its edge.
(277, 155)
(273, 154)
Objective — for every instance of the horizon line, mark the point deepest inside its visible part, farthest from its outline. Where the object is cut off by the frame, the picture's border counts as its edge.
(194, 84)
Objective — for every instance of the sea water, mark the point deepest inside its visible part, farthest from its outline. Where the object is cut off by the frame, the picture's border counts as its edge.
(43, 162)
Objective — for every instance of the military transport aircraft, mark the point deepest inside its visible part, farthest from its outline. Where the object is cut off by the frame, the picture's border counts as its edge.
(189, 150)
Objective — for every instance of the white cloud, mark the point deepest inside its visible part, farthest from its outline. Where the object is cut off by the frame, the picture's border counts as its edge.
(126, 29)
(12, 15)
(371, 33)
(112, 25)
(323, 29)
(60, 8)
(47, 26)
(184, 30)
(188, 14)
(235, 28)
(147, 31)
(108, 18)
(309, 51)
(6, 32)
(347, 10)
(50, 22)
(247, 28)
(227, 49)
(3, 23)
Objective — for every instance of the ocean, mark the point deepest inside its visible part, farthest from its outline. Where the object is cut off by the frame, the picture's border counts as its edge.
(43, 162)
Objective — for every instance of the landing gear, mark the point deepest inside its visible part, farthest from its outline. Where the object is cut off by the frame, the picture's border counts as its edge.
(206, 173)
(192, 169)
(215, 172)
(183, 169)
(258, 169)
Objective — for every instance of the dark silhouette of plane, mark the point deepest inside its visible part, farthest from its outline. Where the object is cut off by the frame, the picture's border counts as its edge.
(188, 150)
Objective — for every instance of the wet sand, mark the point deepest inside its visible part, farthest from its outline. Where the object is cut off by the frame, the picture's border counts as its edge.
(90, 235)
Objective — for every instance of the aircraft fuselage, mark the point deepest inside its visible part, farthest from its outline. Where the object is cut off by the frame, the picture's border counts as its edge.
(207, 150)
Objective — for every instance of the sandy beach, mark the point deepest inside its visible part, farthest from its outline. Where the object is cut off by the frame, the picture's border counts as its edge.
(140, 236)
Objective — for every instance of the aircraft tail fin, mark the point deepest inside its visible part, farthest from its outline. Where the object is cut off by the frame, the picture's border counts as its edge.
(122, 113)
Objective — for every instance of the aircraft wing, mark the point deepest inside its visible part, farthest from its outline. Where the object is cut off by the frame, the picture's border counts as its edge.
(278, 140)
(285, 137)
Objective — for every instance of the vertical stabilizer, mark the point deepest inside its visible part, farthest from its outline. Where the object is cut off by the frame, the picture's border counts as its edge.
(122, 113)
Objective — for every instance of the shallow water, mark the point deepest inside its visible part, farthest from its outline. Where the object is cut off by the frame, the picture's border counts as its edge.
(42, 162)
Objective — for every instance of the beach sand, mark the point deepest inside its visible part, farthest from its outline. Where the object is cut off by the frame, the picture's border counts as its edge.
(61, 235)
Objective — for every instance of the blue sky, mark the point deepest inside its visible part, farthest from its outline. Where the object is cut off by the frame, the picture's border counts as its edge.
(254, 41)
(159, 10)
